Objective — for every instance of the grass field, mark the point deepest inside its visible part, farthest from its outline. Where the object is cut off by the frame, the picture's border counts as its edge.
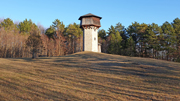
(87, 76)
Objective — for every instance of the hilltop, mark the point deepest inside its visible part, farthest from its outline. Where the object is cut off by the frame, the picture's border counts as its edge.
(89, 76)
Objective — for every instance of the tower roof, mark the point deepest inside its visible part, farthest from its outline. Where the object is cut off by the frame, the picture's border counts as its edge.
(89, 15)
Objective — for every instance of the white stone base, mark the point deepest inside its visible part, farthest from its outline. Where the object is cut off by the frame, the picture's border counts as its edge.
(90, 39)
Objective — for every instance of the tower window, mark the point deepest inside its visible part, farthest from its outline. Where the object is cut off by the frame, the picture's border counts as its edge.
(94, 38)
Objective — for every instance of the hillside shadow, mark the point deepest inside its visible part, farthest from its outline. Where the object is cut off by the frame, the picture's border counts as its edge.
(36, 94)
(99, 57)
(130, 67)
(87, 56)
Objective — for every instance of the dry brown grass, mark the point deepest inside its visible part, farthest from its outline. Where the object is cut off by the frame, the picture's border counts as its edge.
(89, 76)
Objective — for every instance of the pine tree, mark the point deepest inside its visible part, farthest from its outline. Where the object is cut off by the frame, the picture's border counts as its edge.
(74, 33)
(102, 33)
(34, 42)
(111, 30)
(176, 26)
(8, 24)
(170, 39)
(153, 38)
(130, 50)
(58, 25)
(26, 26)
(115, 43)
(50, 32)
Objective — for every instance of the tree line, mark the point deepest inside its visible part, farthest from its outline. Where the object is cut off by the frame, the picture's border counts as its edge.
(143, 40)
(26, 39)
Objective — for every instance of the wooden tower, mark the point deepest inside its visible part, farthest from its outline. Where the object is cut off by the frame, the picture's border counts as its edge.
(90, 24)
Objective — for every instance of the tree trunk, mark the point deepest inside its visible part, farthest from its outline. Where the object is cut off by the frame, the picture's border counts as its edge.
(33, 55)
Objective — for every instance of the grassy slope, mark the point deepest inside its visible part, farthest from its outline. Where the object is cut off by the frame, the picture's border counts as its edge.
(89, 76)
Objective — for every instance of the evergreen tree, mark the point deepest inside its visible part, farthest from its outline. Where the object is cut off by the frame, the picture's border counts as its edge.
(50, 32)
(169, 38)
(56, 28)
(130, 50)
(121, 29)
(111, 48)
(74, 33)
(102, 33)
(34, 42)
(153, 39)
(115, 43)
(58, 25)
(7, 24)
(26, 26)
(132, 31)
(176, 26)
(111, 30)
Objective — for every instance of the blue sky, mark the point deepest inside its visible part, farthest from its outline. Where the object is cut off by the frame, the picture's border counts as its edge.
(111, 11)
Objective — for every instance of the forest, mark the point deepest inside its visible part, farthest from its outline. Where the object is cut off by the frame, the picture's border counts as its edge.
(29, 40)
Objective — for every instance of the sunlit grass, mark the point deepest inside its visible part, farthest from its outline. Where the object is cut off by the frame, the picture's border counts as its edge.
(89, 76)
